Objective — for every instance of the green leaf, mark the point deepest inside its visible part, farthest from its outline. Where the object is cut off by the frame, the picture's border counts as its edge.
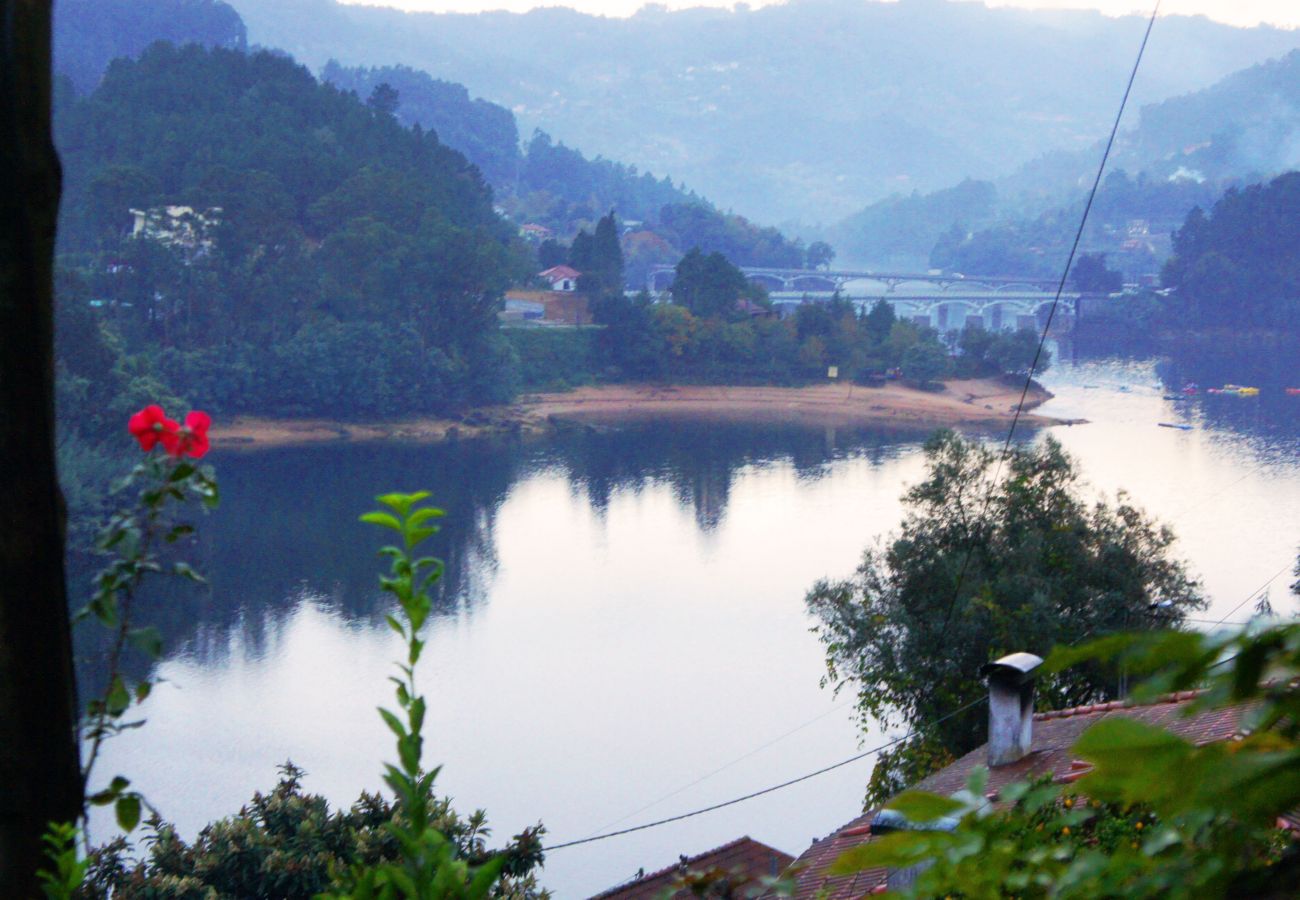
(117, 699)
(920, 807)
(181, 472)
(420, 516)
(892, 851)
(148, 640)
(382, 519)
(176, 532)
(128, 812)
(394, 724)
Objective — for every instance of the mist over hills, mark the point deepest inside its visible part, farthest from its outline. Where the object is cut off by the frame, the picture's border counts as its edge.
(1179, 152)
(88, 34)
(807, 110)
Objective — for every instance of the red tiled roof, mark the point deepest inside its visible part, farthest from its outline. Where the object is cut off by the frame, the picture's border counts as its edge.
(745, 854)
(1055, 733)
(555, 273)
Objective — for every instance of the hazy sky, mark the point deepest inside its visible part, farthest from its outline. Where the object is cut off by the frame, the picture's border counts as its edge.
(1237, 12)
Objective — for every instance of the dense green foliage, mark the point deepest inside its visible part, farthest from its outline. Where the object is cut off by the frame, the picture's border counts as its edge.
(709, 286)
(554, 359)
(725, 341)
(335, 261)
(1091, 275)
(89, 34)
(989, 560)
(287, 843)
(1158, 815)
(1239, 266)
(485, 132)
(696, 225)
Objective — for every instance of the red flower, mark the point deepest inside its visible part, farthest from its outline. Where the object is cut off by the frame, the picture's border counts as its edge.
(194, 436)
(151, 426)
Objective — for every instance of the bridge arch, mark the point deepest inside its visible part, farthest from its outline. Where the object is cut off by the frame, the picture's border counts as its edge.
(770, 281)
(813, 283)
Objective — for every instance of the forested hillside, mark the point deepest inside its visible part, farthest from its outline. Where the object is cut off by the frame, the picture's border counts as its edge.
(911, 95)
(1238, 266)
(548, 183)
(327, 259)
(89, 34)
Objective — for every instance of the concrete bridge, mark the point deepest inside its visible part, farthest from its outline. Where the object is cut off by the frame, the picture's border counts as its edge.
(828, 281)
(994, 311)
(945, 301)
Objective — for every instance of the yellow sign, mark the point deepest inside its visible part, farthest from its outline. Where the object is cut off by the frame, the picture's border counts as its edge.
(833, 372)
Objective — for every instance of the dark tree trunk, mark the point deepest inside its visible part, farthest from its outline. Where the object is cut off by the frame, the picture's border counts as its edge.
(40, 778)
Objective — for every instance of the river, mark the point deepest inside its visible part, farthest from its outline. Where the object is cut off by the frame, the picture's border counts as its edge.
(622, 635)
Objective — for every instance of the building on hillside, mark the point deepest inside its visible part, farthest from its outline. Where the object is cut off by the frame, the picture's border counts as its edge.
(744, 861)
(534, 233)
(181, 227)
(1022, 745)
(561, 278)
(546, 308)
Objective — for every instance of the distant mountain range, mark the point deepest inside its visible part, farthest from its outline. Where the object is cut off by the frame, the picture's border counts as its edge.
(1180, 152)
(804, 111)
(89, 34)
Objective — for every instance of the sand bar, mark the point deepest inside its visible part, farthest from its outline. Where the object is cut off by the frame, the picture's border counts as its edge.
(973, 402)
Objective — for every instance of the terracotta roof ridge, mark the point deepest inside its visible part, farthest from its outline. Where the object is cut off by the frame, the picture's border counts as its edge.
(1108, 705)
(673, 867)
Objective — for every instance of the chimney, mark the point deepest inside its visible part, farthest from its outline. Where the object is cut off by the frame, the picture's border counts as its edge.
(1011, 706)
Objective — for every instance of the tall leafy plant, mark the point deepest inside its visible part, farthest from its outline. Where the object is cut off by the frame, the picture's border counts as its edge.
(428, 867)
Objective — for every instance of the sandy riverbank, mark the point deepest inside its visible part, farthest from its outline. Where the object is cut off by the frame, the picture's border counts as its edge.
(974, 402)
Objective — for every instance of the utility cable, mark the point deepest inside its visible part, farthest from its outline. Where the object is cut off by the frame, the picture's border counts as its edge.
(760, 748)
(767, 790)
(1056, 299)
(1255, 593)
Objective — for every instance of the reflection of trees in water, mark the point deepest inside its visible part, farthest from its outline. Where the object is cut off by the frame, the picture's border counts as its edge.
(1271, 364)
(699, 461)
(287, 531)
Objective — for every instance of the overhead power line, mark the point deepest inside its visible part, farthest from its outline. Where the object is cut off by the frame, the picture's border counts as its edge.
(767, 790)
(1051, 312)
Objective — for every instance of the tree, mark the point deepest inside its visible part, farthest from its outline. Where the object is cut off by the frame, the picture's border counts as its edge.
(879, 321)
(551, 253)
(599, 258)
(40, 769)
(926, 362)
(384, 99)
(981, 568)
(820, 255)
(708, 285)
(1091, 276)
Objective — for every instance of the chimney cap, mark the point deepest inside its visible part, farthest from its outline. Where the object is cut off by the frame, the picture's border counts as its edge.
(1014, 667)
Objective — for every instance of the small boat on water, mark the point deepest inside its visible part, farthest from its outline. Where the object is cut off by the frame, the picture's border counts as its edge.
(1191, 388)
(1175, 425)
(1238, 390)
(1295, 392)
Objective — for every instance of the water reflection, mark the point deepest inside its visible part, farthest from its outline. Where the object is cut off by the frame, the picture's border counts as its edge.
(288, 529)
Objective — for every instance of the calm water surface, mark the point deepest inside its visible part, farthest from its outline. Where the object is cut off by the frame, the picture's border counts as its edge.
(622, 635)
